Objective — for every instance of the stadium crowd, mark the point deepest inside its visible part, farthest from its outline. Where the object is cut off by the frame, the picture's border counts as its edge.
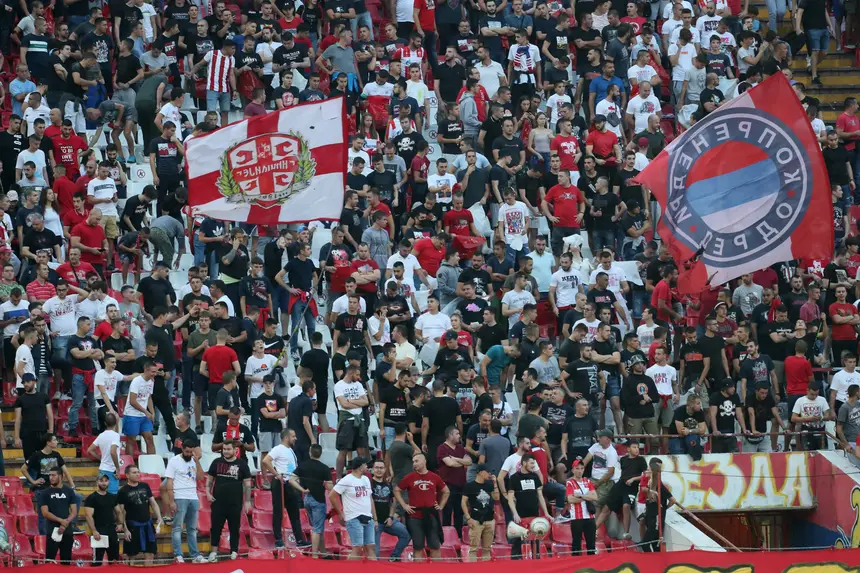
(484, 338)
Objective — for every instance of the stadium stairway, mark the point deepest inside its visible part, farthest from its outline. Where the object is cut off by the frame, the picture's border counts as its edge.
(840, 72)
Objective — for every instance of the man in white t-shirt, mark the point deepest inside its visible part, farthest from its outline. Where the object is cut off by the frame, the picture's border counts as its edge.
(604, 469)
(841, 381)
(564, 284)
(665, 378)
(811, 412)
(106, 381)
(513, 463)
(181, 498)
(259, 365)
(24, 363)
(341, 304)
(281, 461)
(612, 111)
(410, 264)
(351, 499)
(641, 107)
(514, 219)
(641, 70)
(515, 299)
(708, 22)
(431, 325)
(442, 183)
(351, 396)
(681, 55)
(106, 446)
(139, 411)
(491, 72)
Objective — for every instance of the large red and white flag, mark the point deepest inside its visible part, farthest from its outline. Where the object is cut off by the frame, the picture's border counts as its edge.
(283, 167)
(743, 189)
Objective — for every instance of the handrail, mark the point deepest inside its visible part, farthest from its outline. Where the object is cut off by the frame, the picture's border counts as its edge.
(707, 527)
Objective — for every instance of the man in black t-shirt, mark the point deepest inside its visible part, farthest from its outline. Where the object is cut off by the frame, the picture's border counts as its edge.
(300, 419)
(393, 405)
(760, 408)
(33, 417)
(230, 496)
(688, 427)
(479, 498)
(233, 431)
(84, 352)
(525, 494)
(725, 409)
(99, 511)
(59, 506)
(135, 502)
(440, 412)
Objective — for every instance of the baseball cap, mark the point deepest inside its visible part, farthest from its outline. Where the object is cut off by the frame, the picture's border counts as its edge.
(636, 359)
(353, 355)
(726, 383)
(482, 468)
(28, 377)
(391, 284)
(605, 433)
(599, 118)
(576, 462)
(5, 249)
(450, 335)
(642, 141)
(12, 195)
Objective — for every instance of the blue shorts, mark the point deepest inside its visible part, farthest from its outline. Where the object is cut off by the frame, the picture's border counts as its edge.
(818, 40)
(216, 100)
(136, 425)
(361, 533)
(613, 386)
(113, 483)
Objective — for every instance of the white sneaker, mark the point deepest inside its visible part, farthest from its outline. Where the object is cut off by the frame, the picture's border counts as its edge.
(234, 555)
(180, 559)
(626, 537)
(213, 556)
(199, 559)
(66, 397)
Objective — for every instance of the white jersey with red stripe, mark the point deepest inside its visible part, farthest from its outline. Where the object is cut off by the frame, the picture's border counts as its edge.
(579, 487)
(409, 56)
(220, 68)
(394, 129)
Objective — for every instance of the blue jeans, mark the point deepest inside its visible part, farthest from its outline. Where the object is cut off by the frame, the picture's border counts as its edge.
(316, 513)
(217, 101)
(398, 530)
(301, 308)
(817, 40)
(214, 262)
(775, 8)
(363, 19)
(360, 534)
(679, 446)
(187, 380)
(553, 489)
(513, 256)
(79, 391)
(61, 348)
(199, 248)
(186, 512)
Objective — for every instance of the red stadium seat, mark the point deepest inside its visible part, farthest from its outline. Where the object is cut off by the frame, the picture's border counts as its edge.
(205, 504)
(262, 520)
(7, 521)
(621, 545)
(154, 483)
(262, 540)
(501, 551)
(86, 442)
(125, 461)
(245, 526)
(263, 499)
(451, 538)
(81, 548)
(204, 521)
(28, 525)
(20, 505)
(387, 541)
(10, 486)
(20, 547)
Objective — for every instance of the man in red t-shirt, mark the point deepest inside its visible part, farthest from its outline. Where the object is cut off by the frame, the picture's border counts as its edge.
(77, 214)
(67, 148)
(566, 146)
(427, 496)
(430, 252)
(603, 145)
(848, 127)
(419, 170)
(89, 237)
(64, 188)
(376, 204)
(661, 296)
(459, 221)
(568, 210)
(84, 180)
(215, 362)
(845, 318)
(366, 273)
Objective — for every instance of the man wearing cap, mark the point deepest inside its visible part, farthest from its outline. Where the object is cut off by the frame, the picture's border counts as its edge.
(761, 408)
(427, 495)
(448, 358)
(605, 459)
(478, 504)
(639, 395)
(351, 499)
(725, 409)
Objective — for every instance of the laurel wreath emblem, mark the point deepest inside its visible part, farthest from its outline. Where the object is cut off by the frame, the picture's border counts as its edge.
(305, 171)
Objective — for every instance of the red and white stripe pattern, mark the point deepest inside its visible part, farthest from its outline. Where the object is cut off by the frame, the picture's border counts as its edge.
(323, 127)
(220, 68)
(579, 487)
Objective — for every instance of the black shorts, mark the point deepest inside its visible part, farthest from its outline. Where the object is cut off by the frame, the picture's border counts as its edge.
(201, 384)
(212, 390)
(134, 546)
(622, 494)
(349, 437)
(421, 537)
